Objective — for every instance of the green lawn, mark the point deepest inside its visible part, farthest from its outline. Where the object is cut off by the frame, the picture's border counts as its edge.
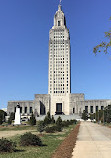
(16, 128)
(50, 141)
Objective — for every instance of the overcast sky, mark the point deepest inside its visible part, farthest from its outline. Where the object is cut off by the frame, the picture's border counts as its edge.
(24, 35)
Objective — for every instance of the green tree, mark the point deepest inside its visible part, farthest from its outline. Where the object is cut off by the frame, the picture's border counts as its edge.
(32, 120)
(91, 116)
(103, 46)
(107, 114)
(11, 118)
(1, 121)
(59, 121)
(40, 126)
(2, 116)
(47, 119)
(84, 115)
(52, 120)
(9, 121)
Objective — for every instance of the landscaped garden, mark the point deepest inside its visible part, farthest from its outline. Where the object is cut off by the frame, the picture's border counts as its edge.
(43, 140)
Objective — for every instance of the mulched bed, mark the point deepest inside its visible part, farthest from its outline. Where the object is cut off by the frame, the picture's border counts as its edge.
(66, 148)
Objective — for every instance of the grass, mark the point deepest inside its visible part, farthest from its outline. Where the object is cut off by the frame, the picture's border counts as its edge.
(16, 128)
(50, 141)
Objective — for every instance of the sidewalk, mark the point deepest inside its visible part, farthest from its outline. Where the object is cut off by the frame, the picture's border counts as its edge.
(93, 141)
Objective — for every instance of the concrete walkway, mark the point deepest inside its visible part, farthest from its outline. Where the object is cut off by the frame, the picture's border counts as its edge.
(93, 141)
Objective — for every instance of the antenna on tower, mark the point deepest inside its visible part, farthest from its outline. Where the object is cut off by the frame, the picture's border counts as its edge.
(60, 2)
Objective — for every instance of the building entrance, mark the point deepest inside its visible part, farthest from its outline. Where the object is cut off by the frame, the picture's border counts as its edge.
(59, 108)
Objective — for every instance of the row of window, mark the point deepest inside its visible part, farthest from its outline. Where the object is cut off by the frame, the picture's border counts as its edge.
(58, 33)
(55, 49)
(57, 42)
(59, 88)
(57, 80)
(59, 77)
(92, 108)
(60, 42)
(58, 73)
(59, 54)
(58, 36)
(25, 110)
(59, 91)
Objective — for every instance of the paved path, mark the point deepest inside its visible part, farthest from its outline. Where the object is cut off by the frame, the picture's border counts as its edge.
(93, 141)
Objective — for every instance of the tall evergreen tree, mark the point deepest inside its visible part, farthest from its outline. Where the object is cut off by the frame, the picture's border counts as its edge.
(32, 120)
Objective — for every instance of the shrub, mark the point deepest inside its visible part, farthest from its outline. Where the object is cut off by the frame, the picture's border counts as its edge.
(30, 139)
(47, 119)
(65, 124)
(52, 120)
(74, 121)
(11, 118)
(32, 120)
(9, 121)
(85, 115)
(1, 121)
(6, 145)
(68, 122)
(59, 121)
(2, 116)
(50, 129)
(40, 126)
(58, 128)
(53, 129)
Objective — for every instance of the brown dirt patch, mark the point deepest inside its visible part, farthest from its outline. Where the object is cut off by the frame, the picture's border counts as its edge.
(66, 148)
(7, 134)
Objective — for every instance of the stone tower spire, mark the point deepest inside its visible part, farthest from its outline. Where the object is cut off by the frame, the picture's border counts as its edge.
(59, 18)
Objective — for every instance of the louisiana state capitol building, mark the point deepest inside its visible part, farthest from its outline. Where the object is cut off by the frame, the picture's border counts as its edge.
(59, 64)
(59, 100)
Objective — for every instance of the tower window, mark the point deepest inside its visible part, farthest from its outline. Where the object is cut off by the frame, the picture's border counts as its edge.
(59, 23)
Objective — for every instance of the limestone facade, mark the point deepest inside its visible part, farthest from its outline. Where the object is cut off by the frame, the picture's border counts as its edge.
(71, 104)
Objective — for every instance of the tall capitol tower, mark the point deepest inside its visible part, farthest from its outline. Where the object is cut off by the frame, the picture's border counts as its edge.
(59, 56)
(59, 99)
(59, 61)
